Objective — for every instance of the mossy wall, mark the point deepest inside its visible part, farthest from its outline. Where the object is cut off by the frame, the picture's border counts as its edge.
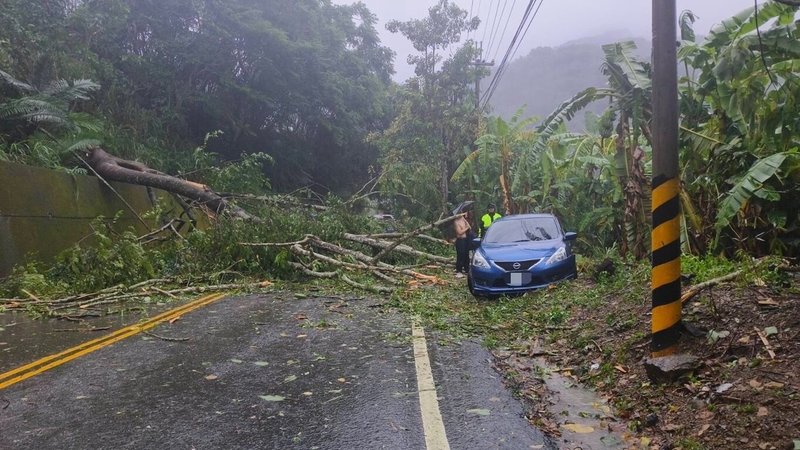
(43, 212)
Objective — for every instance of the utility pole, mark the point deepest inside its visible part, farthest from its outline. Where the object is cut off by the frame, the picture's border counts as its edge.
(480, 62)
(666, 272)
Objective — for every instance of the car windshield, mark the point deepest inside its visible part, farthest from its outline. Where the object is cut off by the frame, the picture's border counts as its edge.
(522, 230)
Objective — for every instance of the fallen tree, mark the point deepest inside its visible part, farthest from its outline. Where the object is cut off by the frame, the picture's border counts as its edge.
(111, 168)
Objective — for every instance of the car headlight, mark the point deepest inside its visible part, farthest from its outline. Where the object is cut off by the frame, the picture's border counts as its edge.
(479, 261)
(558, 256)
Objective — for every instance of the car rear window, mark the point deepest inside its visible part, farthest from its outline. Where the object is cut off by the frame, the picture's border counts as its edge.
(523, 230)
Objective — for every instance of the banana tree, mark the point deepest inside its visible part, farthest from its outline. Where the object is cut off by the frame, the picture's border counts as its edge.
(740, 120)
(497, 154)
(628, 90)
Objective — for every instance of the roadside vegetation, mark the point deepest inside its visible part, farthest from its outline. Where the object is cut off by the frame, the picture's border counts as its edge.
(287, 110)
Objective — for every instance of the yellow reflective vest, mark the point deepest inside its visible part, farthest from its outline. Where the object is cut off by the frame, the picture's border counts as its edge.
(487, 220)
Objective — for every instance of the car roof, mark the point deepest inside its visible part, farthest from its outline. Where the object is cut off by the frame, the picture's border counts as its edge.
(528, 216)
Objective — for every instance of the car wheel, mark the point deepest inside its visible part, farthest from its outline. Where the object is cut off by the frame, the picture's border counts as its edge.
(471, 286)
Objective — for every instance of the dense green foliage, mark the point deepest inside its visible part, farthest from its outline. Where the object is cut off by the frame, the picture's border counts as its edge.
(212, 256)
(301, 80)
(739, 145)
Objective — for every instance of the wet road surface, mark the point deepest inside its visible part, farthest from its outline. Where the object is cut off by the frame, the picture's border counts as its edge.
(268, 371)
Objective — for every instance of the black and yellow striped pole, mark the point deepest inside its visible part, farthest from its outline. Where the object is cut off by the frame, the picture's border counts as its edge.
(666, 276)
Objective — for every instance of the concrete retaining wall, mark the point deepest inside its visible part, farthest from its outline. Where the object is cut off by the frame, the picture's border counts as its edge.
(43, 212)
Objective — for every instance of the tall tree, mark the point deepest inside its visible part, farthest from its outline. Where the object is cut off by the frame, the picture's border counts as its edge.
(435, 107)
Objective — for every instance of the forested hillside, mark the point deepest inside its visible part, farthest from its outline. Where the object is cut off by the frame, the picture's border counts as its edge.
(302, 81)
(543, 78)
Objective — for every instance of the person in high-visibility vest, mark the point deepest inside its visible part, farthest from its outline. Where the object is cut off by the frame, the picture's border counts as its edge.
(488, 218)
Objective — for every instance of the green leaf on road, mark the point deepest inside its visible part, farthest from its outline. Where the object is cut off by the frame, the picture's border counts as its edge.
(479, 412)
(272, 398)
(290, 378)
(237, 361)
(769, 331)
(261, 363)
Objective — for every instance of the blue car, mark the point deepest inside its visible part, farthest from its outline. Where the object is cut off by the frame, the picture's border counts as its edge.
(521, 253)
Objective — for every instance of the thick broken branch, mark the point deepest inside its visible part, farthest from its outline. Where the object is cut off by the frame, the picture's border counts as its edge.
(115, 169)
(400, 235)
(698, 288)
(398, 248)
(411, 234)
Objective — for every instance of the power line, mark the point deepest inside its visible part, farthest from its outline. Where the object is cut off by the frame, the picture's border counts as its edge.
(517, 34)
(493, 38)
(493, 31)
(512, 50)
(488, 15)
(505, 28)
(536, 13)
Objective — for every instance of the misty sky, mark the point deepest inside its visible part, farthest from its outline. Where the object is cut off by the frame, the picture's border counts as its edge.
(559, 21)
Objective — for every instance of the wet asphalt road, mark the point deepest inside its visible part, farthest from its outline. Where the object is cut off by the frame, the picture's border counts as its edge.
(272, 372)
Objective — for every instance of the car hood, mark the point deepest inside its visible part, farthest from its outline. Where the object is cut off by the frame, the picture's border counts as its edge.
(521, 251)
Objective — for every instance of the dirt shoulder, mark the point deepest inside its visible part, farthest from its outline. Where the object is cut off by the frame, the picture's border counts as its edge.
(597, 335)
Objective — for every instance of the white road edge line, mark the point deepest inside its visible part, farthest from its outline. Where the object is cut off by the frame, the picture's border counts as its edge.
(432, 424)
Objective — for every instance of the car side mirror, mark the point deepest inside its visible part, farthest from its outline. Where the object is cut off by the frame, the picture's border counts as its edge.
(570, 236)
(475, 243)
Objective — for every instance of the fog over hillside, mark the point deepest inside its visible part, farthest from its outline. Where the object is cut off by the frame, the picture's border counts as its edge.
(547, 76)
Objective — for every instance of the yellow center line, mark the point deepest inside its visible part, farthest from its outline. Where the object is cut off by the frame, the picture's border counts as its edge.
(432, 423)
(48, 362)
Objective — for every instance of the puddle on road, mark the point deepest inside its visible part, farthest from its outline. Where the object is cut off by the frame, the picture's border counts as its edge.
(24, 339)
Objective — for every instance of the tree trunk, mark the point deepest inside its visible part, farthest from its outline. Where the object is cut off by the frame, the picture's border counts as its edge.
(112, 168)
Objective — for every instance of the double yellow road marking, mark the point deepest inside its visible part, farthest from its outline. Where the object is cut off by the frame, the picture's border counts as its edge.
(29, 370)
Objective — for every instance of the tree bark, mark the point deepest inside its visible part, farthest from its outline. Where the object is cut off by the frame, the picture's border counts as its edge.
(116, 169)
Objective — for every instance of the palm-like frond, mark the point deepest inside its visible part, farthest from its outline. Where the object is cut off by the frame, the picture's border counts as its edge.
(746, 22)
(636, 72)
(686, 22)
(67, 92)
(552, 125)
(15, 83)
(753, 184)
(48, 107)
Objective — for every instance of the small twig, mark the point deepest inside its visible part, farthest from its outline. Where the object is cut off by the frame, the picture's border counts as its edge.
(161, 291)
(154, 233)
(33, 297)
(765, 342)
(600, 349)
(276, 244)
(81, 330)
(164, 338)
(376, 289)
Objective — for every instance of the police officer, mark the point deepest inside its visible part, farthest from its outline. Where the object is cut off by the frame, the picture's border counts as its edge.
(488, 218)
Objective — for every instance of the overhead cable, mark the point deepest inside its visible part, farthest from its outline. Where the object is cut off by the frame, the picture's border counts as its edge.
(507, 60)
(505, 28)
(511, 46)
(495, 27)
